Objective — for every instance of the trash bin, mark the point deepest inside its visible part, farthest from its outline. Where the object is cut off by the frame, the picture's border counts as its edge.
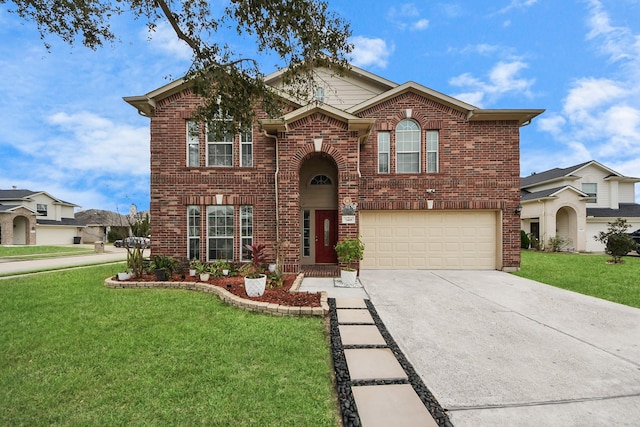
(76, 240)
(99, 247)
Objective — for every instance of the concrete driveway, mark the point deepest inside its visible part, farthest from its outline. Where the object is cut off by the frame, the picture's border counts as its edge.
(499, 350)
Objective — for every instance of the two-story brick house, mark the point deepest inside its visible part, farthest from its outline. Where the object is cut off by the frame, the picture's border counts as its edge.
(426, 180)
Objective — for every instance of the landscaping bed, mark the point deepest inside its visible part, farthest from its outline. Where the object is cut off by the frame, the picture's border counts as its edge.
(281, 295)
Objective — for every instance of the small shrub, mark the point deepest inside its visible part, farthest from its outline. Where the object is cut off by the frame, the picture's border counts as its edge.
(556, 244)
(535, 242)
(349, 251)
(524, 240)
(616, 240)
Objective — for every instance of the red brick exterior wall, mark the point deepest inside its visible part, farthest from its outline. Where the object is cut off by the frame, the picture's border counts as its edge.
(478, 169)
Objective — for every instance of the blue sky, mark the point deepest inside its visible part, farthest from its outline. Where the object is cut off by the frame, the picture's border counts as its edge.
(65, 129)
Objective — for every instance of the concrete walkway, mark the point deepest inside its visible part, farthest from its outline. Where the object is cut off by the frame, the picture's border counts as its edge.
(499, 350)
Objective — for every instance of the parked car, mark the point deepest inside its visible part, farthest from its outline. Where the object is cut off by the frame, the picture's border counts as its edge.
(133, 242)
(636, 237)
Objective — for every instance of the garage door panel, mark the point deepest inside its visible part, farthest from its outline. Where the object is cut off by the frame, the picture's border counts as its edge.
(427, 239)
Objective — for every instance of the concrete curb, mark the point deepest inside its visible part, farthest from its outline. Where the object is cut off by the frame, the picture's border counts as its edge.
(231, 299)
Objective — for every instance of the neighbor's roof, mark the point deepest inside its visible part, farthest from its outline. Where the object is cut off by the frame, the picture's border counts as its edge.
(526, 196)
(568, 173)
(22, 194)
(625, 210)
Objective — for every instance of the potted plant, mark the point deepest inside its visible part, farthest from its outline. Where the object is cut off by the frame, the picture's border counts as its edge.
(221, 267)
(349, 252)
(202, 270)
(163, 266)
(192, 267)
(125, 275)
(255, 280)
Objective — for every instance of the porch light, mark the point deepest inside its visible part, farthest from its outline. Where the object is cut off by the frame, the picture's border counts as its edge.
(518, 209)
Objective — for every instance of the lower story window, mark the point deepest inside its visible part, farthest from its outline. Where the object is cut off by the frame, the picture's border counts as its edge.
(220, 232)
(306, 233)
(246, 231)
(193, 232)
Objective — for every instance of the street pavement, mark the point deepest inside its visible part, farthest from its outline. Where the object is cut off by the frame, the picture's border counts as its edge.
(110, 254)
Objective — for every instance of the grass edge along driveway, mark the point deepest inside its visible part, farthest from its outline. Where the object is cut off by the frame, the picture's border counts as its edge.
(588, 274)
(77, 353)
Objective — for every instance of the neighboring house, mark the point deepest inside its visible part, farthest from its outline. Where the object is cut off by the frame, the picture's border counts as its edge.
(99, 223)
(427, 181)
(36, 218)
(576, 203)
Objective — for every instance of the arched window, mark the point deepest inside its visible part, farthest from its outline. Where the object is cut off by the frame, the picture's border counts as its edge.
(321, 180)
(407, 147)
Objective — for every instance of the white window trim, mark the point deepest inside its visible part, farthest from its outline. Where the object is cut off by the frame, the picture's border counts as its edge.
(193, 140)
(419, 151)
(244, 143)
(437, 150)
(387, 152)
(226, 237)
(189, 236)
(208, 143)
(242, 235)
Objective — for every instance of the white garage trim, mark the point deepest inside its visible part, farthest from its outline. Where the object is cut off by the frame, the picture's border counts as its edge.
(458, 240)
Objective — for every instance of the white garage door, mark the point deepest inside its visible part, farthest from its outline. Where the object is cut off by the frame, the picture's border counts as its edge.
(429, 239)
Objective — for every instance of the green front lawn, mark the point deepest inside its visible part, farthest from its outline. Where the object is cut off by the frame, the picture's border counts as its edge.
(76, 353)
(587, 274)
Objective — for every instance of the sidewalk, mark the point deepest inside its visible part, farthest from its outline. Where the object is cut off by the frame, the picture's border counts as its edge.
(111, 254)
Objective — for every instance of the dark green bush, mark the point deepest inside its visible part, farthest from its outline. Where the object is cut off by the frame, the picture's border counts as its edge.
(524, 240)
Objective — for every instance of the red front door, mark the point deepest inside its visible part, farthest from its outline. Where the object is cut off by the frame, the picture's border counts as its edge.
(326, 236)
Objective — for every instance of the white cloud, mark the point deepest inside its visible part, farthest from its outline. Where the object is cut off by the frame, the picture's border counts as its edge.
(502, 80)
(421, 24)
(87, 142)
(600, 117)
(367, 51)
(518, 4)
(165, 40)
(407, 16)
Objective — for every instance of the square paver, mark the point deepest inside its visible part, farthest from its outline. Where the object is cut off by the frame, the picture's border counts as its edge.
(391, 405)
(373, 364)
(348, 315)
(350, 303)
(361, 335)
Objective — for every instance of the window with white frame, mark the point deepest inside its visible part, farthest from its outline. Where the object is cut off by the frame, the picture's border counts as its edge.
(246, 147)
(193, 144)
(193, 232)
(41, 208)
(432, 151)
(219, 232)
(407, 147)
(384, 153)
(592, 191)
(246, 231)
(220, 147)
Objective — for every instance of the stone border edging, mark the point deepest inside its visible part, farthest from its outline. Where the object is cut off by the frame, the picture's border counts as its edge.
(230, 298)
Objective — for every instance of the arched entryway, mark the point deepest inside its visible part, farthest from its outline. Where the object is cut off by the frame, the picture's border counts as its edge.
(567, 226)
(20, 230)
(318, 209)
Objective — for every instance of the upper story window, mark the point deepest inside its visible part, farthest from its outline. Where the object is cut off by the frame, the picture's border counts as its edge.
(220, 147)
(592, 190)
(407, 147)
(320, 94)
(193, 144)
(246, 147)
(41, 208)
(384, 152)
(432, 151)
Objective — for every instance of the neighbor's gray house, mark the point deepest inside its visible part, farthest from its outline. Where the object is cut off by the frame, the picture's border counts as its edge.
(37, 218)
(576, 203)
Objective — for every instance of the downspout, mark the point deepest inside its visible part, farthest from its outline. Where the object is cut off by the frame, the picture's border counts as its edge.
(275, 138)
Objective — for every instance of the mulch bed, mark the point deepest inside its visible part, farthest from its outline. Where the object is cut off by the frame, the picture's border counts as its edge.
(235, 285)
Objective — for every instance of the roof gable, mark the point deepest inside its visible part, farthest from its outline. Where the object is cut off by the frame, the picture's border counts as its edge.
(550, 193)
